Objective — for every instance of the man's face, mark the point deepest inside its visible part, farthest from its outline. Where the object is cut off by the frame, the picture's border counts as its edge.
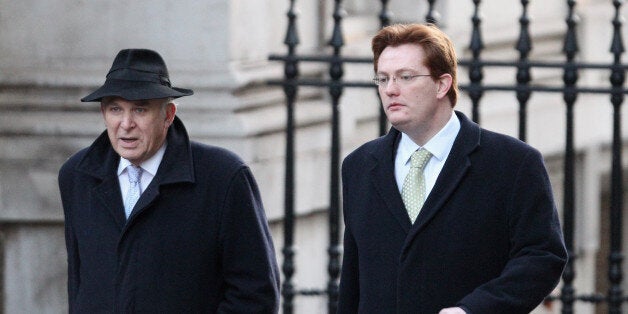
(413, 106)
(137, 129)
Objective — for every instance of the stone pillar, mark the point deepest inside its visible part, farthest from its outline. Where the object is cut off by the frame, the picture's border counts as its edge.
(55, 52)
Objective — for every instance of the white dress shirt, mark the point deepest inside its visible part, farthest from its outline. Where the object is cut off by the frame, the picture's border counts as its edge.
(439, 145)
(149, 169)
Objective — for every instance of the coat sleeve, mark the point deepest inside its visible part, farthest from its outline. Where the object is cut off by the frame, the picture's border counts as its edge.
(537, 253)
(248, 259)
(349, 293)
(70, 239)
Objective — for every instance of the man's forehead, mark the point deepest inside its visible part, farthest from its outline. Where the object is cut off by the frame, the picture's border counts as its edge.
(404, 69)
(139, 102)
(406, 55)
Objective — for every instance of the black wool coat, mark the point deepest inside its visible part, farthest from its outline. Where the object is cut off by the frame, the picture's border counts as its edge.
(196, 242)
(487, 239)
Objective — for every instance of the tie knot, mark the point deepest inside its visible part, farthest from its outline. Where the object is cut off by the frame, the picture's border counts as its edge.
(420, 158)
(134, 173)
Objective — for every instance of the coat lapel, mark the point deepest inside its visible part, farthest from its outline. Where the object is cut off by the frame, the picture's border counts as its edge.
(101, 162)
(383, 178)
(108, 192)
(176, 166)
(456, 166)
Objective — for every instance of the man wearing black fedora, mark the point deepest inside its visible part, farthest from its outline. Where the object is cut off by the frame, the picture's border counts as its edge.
(154, 222)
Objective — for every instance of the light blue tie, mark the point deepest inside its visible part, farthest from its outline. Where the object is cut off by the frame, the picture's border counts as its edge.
(135, 188)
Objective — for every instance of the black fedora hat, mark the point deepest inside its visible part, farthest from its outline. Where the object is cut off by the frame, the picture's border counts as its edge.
(137, 74)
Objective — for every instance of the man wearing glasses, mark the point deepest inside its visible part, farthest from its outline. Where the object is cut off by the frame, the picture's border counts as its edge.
(441, 215)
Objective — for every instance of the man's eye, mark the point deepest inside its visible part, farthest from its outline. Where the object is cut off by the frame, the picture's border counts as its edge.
(114, 109)
(140, 110)
(382, 80)
(405, 77)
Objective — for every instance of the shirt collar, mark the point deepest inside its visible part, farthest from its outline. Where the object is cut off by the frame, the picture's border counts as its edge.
(439, 145)
(150, 165)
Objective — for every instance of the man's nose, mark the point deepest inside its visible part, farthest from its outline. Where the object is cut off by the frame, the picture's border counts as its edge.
(127, 120)
(391, 87)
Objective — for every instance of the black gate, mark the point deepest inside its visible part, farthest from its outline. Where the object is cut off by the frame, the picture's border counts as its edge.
(523, 89)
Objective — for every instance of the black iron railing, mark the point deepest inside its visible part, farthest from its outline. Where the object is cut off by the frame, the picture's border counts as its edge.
(475, 89)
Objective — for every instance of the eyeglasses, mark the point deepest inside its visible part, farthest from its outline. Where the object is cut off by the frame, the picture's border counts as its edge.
(403, 79)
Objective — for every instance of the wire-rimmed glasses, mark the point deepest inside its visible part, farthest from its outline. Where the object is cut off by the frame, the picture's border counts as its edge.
(404, 79)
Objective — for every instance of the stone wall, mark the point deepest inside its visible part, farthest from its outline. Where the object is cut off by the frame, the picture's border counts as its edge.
(54, 52)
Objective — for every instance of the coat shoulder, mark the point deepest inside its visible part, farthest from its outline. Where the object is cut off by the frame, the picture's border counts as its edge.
(373, 147)
(70, 164)
(217, 157)
(503, 144)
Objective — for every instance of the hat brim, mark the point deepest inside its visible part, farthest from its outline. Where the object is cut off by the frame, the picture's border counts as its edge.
(135, 90)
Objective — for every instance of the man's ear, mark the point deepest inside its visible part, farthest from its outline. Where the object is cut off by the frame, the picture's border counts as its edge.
(171, 110)
(444, 84)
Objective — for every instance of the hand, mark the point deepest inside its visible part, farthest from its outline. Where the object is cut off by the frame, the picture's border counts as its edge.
(452, 310)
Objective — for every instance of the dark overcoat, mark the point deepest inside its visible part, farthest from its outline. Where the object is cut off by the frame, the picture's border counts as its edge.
(488, 237)
(196, 242)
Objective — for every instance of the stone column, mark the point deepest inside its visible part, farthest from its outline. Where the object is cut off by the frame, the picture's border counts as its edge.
(55, 52)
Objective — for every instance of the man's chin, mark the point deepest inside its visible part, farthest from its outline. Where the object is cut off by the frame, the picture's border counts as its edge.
(397, 123)
(129, 155)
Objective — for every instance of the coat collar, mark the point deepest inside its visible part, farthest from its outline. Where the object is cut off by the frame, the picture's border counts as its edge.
(101, 161)
(100, 157)
(457, 164)
(382, 176)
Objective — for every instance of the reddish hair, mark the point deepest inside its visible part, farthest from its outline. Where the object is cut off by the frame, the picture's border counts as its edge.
(440, 55)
